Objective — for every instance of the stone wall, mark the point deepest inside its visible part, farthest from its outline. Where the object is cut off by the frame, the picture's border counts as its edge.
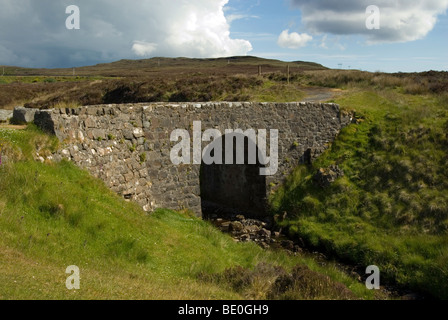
(5, 115)
(128, 146)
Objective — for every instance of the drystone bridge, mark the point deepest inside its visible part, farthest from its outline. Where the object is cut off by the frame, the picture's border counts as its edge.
(129, 147)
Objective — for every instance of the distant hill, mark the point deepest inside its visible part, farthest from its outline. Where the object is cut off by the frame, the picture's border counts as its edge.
(167, 66)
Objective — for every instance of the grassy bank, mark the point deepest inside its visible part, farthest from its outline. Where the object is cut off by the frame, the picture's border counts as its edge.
(53, 215)
(391, 207)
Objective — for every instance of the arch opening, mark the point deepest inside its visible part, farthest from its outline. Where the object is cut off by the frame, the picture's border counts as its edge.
(233, 185)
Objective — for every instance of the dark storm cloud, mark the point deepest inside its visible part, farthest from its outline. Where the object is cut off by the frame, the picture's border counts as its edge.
(33, 33)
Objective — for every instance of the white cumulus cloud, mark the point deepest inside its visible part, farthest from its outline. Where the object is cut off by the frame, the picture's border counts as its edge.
(142, 48)
(34, 31)
(293, 40)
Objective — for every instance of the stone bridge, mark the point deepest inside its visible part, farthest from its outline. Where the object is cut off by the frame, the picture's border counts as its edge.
(130, 148)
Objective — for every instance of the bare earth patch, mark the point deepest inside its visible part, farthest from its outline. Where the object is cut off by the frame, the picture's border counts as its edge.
(12, 127)
(318, 94)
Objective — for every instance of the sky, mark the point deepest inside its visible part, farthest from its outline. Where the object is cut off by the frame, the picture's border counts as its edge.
(372, 35)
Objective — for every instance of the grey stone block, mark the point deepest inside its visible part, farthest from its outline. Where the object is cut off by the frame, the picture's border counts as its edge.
(5, 115)
(24, 115)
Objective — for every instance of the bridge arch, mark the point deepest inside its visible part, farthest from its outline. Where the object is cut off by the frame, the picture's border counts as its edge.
(235, 181)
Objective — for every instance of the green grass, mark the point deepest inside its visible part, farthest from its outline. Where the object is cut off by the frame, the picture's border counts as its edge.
(391, 207)
(277, 92)
(53, 215)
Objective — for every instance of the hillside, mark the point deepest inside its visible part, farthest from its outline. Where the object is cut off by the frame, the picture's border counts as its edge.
(391, 206)
(151, 80)
(168, 67)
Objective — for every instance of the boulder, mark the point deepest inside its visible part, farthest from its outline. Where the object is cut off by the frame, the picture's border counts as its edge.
(252, 229)
(264, 233)
(5, 115)
(23, 115)
(225, 226)
(236, 226)
(244, 237)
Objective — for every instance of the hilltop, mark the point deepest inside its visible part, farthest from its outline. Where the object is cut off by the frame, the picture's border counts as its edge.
(170, 67)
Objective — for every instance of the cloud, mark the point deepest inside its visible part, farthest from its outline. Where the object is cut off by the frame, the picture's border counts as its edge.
(6, 55)
(142, 48)
(33, 33)
(236, 16)
(400, 20)
(323, 44)
(331, 42)
(293, 40)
